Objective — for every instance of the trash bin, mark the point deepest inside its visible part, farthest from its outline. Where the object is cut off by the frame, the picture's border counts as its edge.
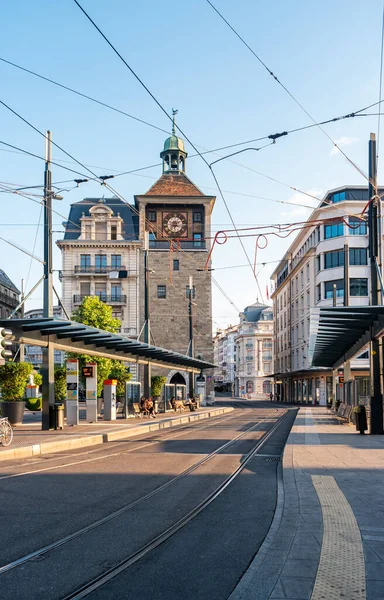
(360, 418)
(56, 416)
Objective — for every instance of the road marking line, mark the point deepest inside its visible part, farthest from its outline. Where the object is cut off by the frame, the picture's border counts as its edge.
(105, 456)
(341, 571)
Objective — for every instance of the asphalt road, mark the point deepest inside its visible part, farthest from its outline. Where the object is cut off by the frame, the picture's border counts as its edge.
(46, 499)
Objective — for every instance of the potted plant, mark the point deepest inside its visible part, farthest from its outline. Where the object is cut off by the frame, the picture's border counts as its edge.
(157, 384)
(60, 384)
(13, 381)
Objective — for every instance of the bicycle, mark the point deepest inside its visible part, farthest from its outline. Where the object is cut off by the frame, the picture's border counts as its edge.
(6, 432)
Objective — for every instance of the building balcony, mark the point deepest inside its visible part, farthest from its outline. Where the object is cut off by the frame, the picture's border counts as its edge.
(92, 270)
(186, 245)
(114, 299)
(9, 300)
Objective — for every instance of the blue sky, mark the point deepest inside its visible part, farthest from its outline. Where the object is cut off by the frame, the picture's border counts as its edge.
(327, 54)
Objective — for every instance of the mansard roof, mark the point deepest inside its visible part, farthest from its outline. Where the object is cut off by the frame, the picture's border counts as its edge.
(130, 227)
(6, 282)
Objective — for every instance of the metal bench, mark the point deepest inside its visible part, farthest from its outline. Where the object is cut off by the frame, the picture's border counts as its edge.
(137, 411)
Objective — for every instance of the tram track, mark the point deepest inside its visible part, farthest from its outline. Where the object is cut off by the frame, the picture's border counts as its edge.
(156, 438)
(102, 579)
(41, 552)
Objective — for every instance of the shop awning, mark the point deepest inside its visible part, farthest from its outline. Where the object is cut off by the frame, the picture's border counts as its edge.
(76, 337)
(338, 333)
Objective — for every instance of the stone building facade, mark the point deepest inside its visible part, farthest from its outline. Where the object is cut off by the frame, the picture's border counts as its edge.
(9, 299)
(254, 351)
(168, 226)
(321, 256)
(9, 296)
(176, 217)
(100, 243)
(224, 345)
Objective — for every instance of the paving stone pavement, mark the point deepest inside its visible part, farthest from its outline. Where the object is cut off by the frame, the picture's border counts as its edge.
(327, 538)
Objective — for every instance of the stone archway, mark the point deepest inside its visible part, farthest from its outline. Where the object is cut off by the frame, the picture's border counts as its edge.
(267, 387)
(178, 379)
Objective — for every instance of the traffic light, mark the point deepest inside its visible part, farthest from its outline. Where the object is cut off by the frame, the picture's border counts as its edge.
(5, 343)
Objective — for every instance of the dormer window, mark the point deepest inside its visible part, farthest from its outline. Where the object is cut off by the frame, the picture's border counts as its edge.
(101, 224)
(101, 231)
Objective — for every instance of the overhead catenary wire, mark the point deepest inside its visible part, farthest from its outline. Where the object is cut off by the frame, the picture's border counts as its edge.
(171, 120)
(380, 85)
(96, 178)
(284, 88)
(34, 247)
(65, 87)
(205, 151)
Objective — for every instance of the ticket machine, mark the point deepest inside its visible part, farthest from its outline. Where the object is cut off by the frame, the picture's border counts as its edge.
(110, 399)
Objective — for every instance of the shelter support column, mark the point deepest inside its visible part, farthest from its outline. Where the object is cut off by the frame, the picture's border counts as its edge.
(48, 386)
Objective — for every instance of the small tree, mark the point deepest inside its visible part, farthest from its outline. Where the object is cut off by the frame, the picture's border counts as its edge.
(60, 384)
(13, 380)
(120, 372)
(157, 384)
(95, 313)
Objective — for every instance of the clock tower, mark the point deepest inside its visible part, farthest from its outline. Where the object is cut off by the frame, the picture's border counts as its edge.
(175, 218)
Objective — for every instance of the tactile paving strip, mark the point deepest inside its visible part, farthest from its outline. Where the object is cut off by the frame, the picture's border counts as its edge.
(341, 571)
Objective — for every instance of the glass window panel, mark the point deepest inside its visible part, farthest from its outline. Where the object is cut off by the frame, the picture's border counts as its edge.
(100, 261)
(328, 288)
(358, 287)
(333, 230)
(116, 290)
(358, 227)
(333, 259)
(116, 261)
(358, 256)
(85, 260)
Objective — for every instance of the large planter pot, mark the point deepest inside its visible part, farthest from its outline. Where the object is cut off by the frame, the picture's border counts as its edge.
(13, 411)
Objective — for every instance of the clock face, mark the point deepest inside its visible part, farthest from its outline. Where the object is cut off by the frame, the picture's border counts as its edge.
(175, 224)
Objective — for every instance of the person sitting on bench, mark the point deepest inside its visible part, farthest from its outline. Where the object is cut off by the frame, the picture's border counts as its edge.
(149, 408)
(191, 403)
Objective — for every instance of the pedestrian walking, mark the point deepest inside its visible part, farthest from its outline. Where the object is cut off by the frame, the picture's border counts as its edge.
(271, 396)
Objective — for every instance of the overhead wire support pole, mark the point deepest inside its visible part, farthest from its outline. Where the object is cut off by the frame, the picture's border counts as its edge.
(190, 346)
(48, 390)
(376, 400)
(147, 321)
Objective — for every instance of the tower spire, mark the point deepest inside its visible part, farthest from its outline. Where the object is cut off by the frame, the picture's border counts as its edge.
(173, 154)
(174, 113)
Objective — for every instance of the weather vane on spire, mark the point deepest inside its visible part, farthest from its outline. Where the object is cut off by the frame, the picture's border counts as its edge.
(174, 113)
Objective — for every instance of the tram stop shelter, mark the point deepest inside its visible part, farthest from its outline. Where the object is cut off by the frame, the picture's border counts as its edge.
(70, 336)
(339, 333)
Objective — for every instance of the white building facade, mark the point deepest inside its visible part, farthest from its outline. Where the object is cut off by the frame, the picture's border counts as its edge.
(254, 351)
(224, 345)
(327, 263)
(100, 257)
